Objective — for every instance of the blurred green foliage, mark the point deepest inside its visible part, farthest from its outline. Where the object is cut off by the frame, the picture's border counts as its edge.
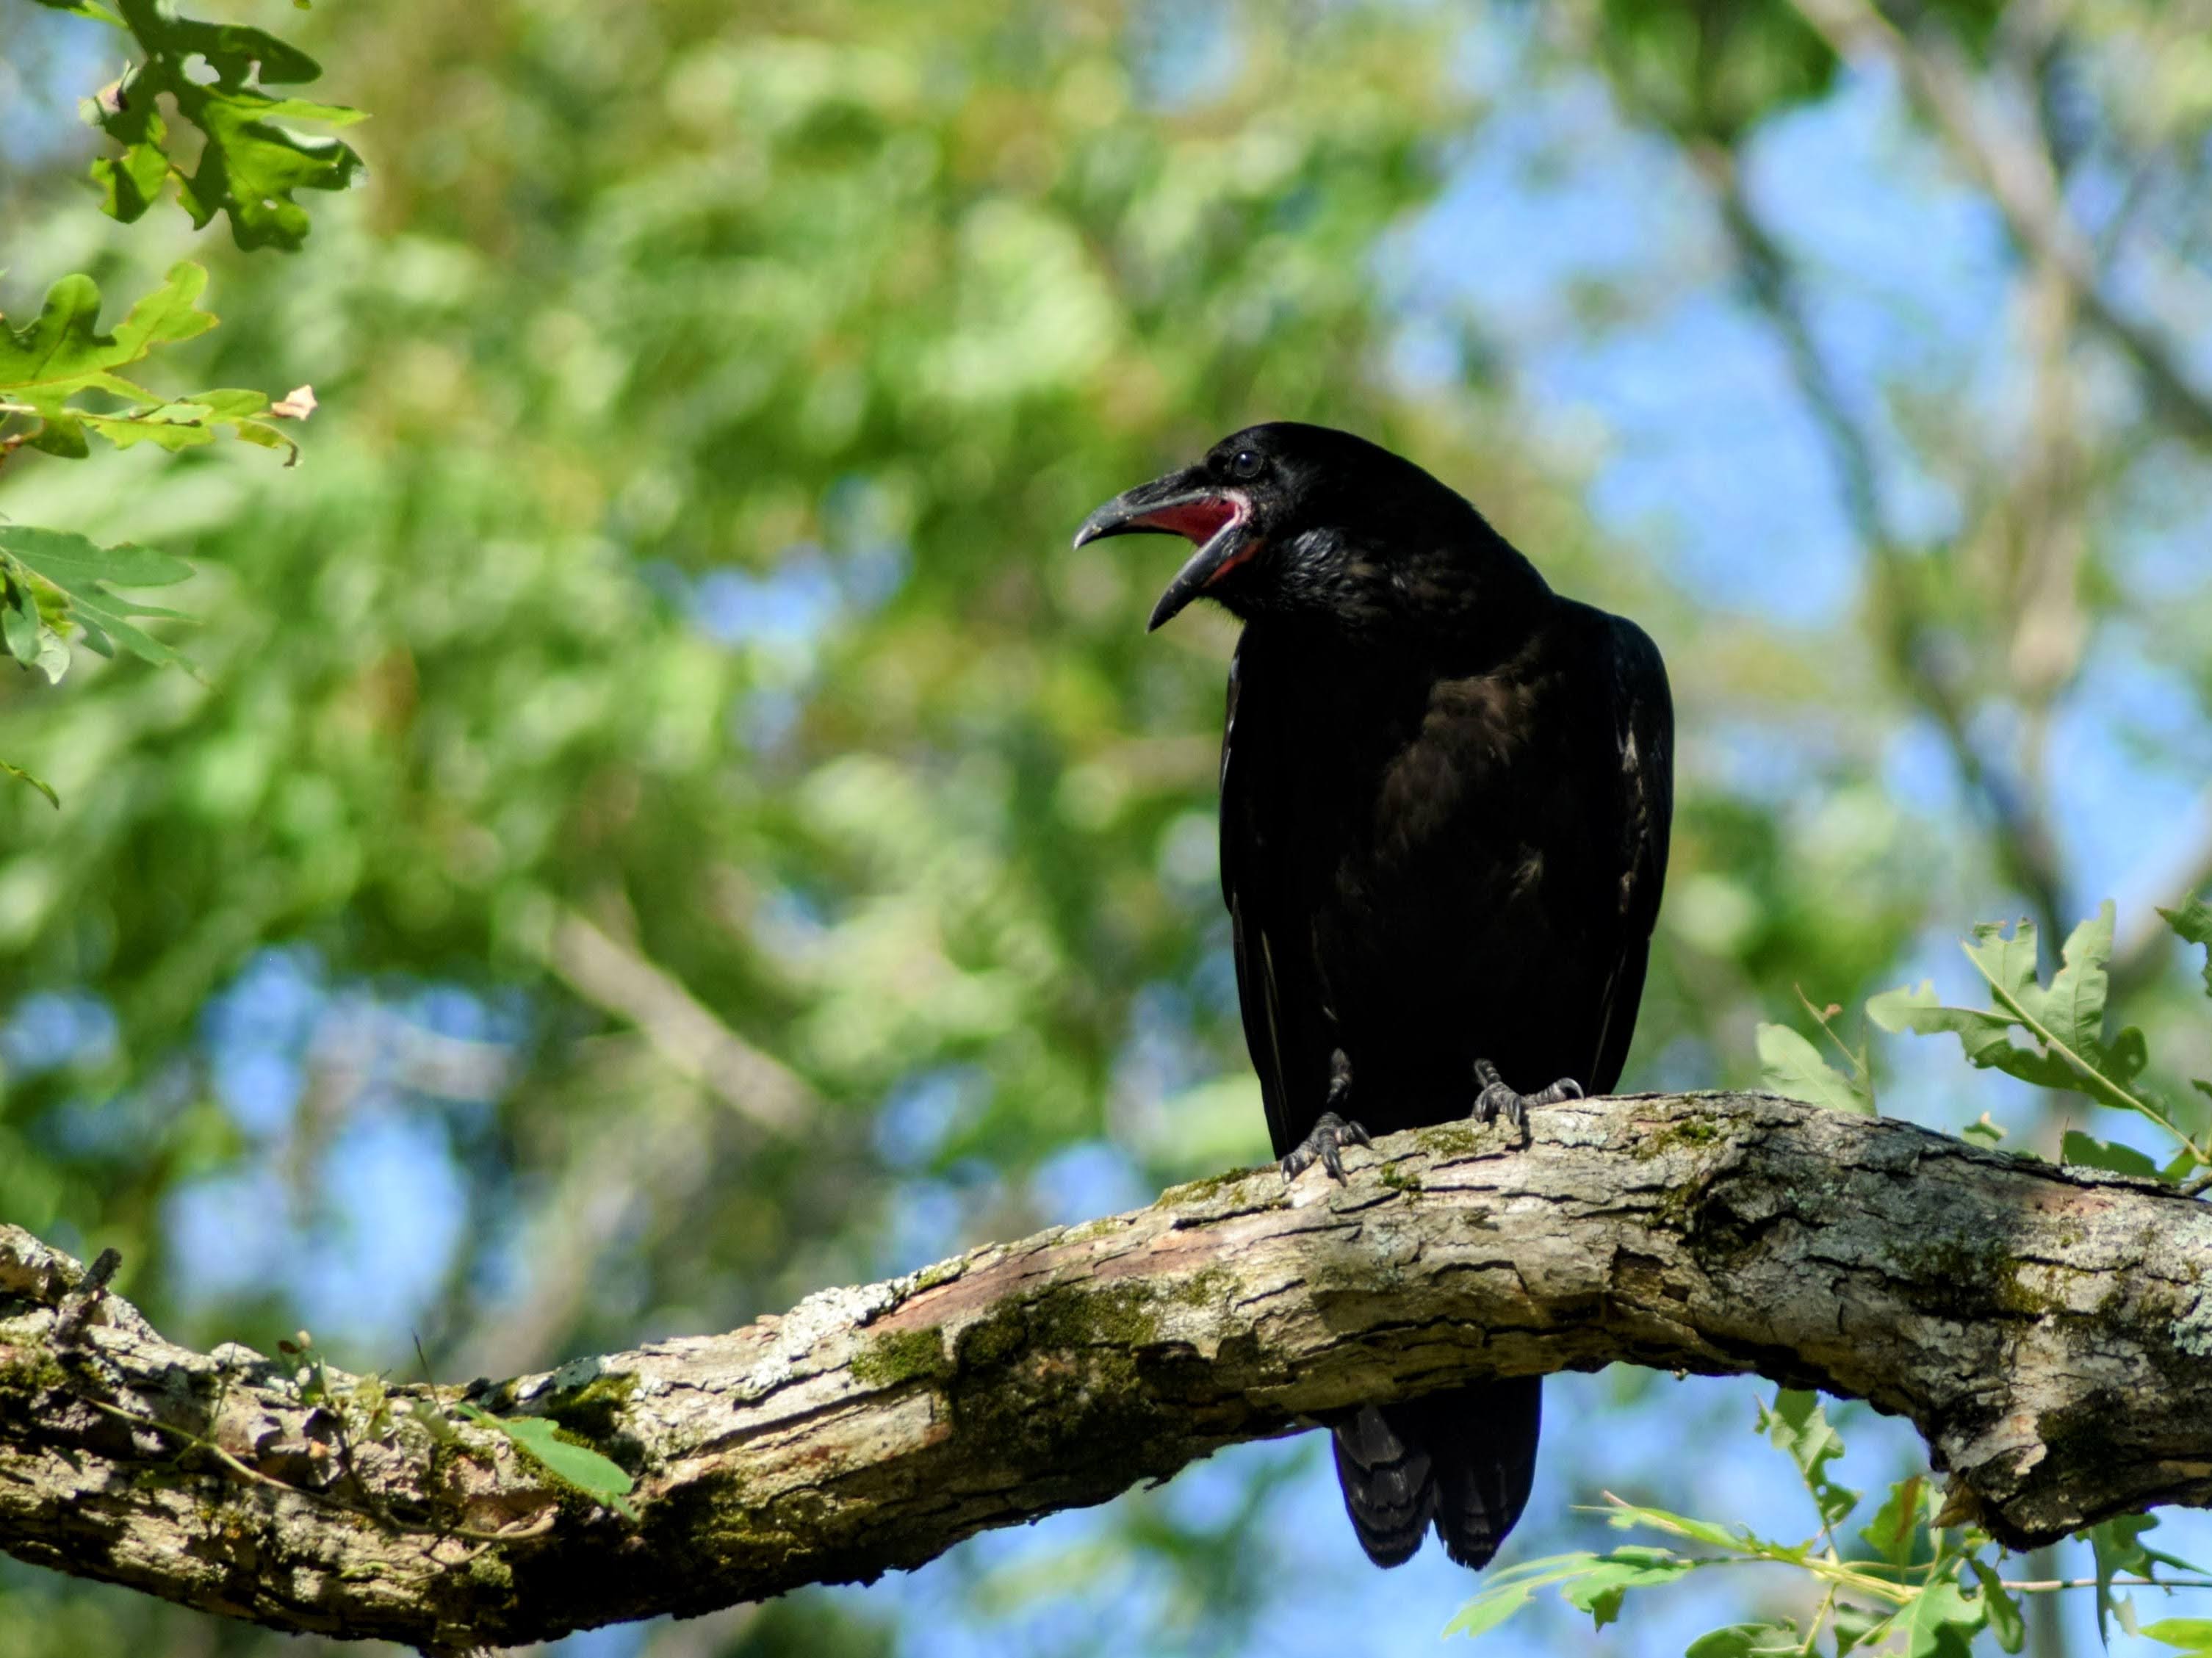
(658, 763)
(1914, 1581)
(826, 329)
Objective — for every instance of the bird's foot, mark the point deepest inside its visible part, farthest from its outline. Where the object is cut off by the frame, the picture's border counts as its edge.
(1325, 1146)
(1497, 1100)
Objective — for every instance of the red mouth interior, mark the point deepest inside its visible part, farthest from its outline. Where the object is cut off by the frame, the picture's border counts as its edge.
(1199, 521)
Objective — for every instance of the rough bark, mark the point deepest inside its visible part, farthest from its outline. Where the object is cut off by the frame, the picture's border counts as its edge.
(2046, 1331)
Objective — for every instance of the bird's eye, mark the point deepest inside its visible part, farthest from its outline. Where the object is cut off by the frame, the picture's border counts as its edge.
(1246, 464)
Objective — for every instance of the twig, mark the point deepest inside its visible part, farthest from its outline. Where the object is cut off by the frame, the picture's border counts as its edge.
(2024, 841)
(2046, 1585)
(1821, 1018)
(537, 1528)
(685, 1033)
(87, 1295)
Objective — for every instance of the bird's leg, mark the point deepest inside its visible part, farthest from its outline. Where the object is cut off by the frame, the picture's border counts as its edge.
(1497, 1100)
(1332, 1132)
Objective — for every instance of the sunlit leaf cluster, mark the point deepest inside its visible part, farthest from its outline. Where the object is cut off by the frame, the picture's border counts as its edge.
(60, 357)
(2051, 1035)
(1910, 1578)
(248, 168)
(59, 373)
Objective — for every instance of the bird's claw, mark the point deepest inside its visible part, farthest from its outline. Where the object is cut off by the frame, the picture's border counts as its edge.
(1325, 1146)
(1497, 1100)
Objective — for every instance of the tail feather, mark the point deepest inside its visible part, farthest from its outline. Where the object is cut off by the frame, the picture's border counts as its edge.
(1390, 1483)
(1462, 1460)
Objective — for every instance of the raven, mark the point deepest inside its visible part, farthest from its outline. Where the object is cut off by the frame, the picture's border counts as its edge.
(1445, 795)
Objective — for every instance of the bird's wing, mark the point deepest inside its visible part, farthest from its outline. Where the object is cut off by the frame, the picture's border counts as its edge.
(1643, 736)
(1277, 985)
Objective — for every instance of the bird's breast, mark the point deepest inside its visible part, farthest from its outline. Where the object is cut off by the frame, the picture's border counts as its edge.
(1452, 865)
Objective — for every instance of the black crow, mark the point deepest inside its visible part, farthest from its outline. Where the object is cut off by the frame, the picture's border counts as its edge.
(1445, 792)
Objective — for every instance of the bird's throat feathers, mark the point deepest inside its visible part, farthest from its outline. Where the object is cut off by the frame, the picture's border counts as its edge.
(1460, 582)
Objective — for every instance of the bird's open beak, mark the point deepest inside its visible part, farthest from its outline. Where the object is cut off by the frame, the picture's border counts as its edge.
(1190, 504)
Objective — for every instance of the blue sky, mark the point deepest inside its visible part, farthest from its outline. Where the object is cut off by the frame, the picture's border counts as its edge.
(1706, 453)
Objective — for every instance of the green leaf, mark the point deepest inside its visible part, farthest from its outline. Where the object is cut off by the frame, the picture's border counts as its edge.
(2189, 1634)
(68, 561)
(61, 354)
(1797, 1425)
(1746, 1640)
(2193, 921)
(2073, 1009)
(248, 168)
(1488, 1610)
(38, 783)
(1593, 1583)
(2007, 959)
(20, 627)
(2068, 1019)
(1940, 1621)
(230, 403)
(594, 1475)
(2079, 1149)
(85, 575)
(1598, 1590)
(53, 656)
(1793, 1068)
(1986, 1036)
(1895, 1531)
(2064, 1023)
(2004, 1615)
(1710, 1532)
(61, 436)
(80, 8)
(130, 183)
(1857, 1626)
(2117, 1545)
(267, 437)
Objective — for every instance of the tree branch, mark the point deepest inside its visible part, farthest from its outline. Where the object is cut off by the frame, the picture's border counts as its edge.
(2019, 180)
(2026, 848)
(2044, 1330)
(682, 1030)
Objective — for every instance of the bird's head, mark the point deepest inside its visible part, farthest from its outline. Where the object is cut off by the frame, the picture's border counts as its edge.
(1287, 518)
